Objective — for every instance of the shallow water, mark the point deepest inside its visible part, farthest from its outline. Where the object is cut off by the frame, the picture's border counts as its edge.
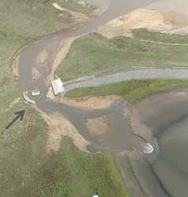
(171, 165)
(166, 116)
(116, 120)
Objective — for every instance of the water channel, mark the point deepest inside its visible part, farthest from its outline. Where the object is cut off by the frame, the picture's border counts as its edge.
(168, 124)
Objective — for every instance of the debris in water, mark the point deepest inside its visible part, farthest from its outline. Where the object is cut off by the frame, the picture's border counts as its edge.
(35, 92)
(148, 149)
(25, 96)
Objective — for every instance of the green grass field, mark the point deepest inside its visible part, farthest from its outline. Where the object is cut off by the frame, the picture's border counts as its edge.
(95, 54)
(26, 169)
(160, 37)
(132, 91)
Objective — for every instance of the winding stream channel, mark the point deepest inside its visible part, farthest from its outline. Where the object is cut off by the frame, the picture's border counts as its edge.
(120, 136)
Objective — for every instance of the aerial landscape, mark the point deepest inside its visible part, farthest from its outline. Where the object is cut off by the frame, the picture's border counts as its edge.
(94, 98)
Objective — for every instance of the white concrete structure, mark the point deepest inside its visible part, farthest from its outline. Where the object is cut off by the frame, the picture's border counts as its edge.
(35, 93)
(82, 3)
(50, 93)
(25, 96)
(57, 86)
(148, 149)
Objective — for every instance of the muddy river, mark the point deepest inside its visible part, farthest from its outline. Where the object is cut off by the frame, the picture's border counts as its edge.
(165, 117)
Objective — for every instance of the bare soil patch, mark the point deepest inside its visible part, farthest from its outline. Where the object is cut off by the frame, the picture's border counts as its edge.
(62, 52)
(98, 126)
(59, 127)
(141, 18)
(42, 56)
(90, 102)
(15, 67)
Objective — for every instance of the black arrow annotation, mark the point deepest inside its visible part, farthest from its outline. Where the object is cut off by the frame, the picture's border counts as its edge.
(19, 114)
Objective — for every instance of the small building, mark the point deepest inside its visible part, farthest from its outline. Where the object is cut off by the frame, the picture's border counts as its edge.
(57, 86)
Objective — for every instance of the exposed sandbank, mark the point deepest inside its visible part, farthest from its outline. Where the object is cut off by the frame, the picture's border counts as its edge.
(90, 102)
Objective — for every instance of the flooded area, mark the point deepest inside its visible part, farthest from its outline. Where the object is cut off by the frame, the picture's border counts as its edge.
(171, 166)
(163, 119)
(115, 137)
(166, 116)
(106, 129)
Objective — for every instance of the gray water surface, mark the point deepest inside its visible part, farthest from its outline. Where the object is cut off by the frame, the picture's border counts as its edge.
(166, 115)
(118, 136)
(171, 165)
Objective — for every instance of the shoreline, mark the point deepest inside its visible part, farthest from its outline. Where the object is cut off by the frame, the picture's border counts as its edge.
(145, 114)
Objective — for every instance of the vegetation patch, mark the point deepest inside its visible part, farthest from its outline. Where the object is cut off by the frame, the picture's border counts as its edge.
(160, 37)
(94, 54)
(75, 6)
(27, 170)
(132, 91)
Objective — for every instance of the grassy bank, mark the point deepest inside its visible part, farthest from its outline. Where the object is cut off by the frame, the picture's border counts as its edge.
(26, 169)
(160, 37)
(73, 6)
(19, 24)
(95, 54)
(132, 91)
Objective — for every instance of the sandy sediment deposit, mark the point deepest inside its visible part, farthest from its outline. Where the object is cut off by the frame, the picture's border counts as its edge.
(170, 16)
(98, 126)
(90, 102)
(60, 55)
(174, 10)
(153, 20)
(59, 127)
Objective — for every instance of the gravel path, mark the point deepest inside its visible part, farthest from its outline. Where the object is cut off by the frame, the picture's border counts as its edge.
(130, 75)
